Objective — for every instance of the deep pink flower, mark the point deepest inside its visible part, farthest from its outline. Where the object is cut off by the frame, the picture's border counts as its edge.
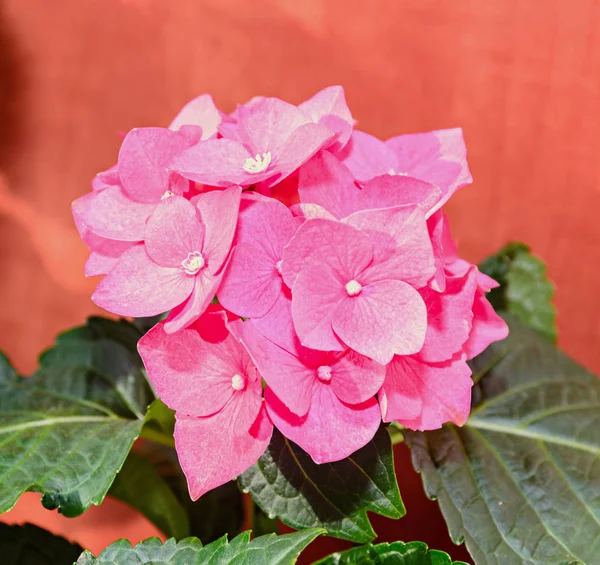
(180, 261)
(269, 141)
(208, 378)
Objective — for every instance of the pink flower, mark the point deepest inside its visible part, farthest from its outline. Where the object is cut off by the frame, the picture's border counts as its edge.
(353, 282)
(323, 401)
(270, 140)
(252, 283)
(208, 378)
(201, 112)
(180, 263)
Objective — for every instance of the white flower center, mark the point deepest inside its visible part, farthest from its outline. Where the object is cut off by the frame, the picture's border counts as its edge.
(324, 373)
(257, 164)
(167, 194)
(238, 382)
(193, 262)
(353, 288)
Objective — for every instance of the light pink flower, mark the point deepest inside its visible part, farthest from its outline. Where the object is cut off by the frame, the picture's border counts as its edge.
(269, 141)
(208, 378)
(180, 262)
(201, 112)
(353, 282)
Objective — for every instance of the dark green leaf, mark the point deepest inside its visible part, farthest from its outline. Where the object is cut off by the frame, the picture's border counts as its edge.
(286, 483)
(67, 430)
(525, 290)
(396, 553)
(265, 550)
(30, 545)
(520, 482)
(139, 485)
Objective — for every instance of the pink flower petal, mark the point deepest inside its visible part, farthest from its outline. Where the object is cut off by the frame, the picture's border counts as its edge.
(219, 212)
(487, 326)
(355, 378)
(173, 231)
(136, 286)
(144, 159)
(216, 449)
(107, 178)
(252, 284)
(277, 325)
(331, 430)
(310, 212)
(113, 215)
(402, 248)
(200, 112)
(443, 392)
(386, 318)
(368, 157)
(449, 317)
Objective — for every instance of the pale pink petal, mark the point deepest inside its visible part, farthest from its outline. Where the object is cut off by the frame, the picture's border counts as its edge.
(173, 231)
(402, 248)
(144, 159)
(331, 430)
(216, 449)
(277, 324)
(386, 318)
(356, 378)
(444, 392)
(320, 240)
(219, 212)
(199, 112)
(328, 183)
(104, 254)
(136, 286)
(107, 178)
(310, 212)
(487, 326)
(283, 371)
(436, 226)
(112, 214)
(252, 284)
(368, 157)
(449, 317)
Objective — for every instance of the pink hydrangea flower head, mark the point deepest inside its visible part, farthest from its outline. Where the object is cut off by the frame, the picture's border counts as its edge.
(208, 378)
(180, 263)
(271, 139)
(252, 282)
(353, 282)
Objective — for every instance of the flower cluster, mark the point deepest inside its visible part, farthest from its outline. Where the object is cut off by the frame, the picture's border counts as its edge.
(341, 298)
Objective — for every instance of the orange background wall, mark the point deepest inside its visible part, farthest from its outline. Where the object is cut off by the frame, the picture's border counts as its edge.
(522, 77)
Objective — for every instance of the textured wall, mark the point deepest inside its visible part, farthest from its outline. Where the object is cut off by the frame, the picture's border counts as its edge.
(520, 76)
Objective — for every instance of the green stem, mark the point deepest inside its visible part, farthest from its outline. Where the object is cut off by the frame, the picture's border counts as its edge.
(161, 438)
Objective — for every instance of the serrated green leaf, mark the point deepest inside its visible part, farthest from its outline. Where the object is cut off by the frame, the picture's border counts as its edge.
(396, 553)
(520, 482)
(265, 550)
(287, 483)
(30, 545)
(66, 431)
(139, 485)
(525, 290)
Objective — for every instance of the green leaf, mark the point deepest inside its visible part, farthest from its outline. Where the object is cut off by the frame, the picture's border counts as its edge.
(67, 430)
(396, 553)
(139, 484)
(287, 483)
(30, 545)
(270, 549)
(524, 290)
(520, 482)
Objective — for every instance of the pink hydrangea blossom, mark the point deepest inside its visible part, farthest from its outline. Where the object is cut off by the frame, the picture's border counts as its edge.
(208, 378)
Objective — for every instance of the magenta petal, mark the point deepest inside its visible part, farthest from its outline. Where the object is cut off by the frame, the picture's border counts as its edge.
(368, 157)
(401, 243)
(136, 286)
(219, 213)
(113, 215)
(173, 231)
(289, 378)
(487, 326)
(144, 159)
(331, 430)
(216, 449)
(443, 390)
(252, 284)
(356, 378)
(449, 317)
(199, 112)
(386, 318)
